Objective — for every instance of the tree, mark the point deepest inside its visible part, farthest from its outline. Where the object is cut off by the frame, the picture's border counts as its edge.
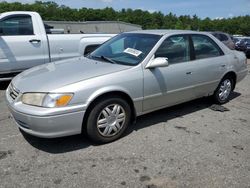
(156, 20)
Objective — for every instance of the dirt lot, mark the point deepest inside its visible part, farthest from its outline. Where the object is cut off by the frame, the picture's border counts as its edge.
(188, 145)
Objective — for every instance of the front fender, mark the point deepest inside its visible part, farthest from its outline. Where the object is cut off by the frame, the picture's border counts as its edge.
(105, 90)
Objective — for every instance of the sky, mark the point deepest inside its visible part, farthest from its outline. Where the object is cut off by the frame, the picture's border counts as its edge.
(202, 8)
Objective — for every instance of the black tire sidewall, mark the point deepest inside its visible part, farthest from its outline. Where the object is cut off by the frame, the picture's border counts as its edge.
(216, 94)
(92, 130)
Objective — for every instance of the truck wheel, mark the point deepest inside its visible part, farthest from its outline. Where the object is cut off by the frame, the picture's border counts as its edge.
(223, 91)
(108, 120)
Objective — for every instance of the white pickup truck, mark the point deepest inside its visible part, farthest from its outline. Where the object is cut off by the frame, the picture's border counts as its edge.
(24, 43)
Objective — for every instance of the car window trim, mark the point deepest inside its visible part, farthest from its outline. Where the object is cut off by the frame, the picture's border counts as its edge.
(191, 46)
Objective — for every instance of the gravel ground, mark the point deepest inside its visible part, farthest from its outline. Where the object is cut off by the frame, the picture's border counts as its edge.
(189, 145)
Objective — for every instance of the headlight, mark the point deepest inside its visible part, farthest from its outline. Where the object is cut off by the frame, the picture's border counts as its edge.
(35, 99)
(48, 100)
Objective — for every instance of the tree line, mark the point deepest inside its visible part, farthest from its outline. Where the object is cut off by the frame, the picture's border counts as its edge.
(155, 20)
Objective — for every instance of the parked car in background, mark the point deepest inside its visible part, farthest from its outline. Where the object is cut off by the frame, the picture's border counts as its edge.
(225, 38)
(24, 43)
(235, 40)
(243, 44)
(247, 47)
(130, 75)
(240, 44)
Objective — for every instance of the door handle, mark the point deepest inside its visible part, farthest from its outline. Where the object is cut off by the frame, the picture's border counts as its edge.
(34, 41)
(223, 65)
(189, 73)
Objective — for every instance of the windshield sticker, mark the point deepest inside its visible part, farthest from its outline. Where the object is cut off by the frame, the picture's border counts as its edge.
(133, 52)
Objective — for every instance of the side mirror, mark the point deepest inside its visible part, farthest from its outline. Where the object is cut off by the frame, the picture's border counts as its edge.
(157, 62)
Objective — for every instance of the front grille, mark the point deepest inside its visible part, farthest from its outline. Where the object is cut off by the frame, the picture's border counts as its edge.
(13, 92)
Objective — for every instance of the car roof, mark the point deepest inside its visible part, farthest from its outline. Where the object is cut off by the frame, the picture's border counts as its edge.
(165, 31)
(218, 32)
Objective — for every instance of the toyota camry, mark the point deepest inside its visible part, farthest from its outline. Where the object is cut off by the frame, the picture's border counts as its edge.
(132, 74)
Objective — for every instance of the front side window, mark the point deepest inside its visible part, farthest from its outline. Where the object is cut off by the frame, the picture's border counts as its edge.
(126, 48)
(16, 25)
(204, 47)
(175, 48)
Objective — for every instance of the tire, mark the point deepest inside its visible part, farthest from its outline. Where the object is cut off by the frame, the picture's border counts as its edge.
(224, 90)
(108, 120)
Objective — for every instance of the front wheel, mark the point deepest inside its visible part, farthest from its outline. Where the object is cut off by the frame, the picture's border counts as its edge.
(108, 120)
(223, 91)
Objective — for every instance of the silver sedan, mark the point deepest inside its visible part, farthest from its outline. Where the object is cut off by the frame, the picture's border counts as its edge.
(132, 74)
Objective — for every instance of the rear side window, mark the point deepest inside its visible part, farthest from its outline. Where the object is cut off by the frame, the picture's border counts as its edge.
(175, 48)
(204, 47)
(17, 25)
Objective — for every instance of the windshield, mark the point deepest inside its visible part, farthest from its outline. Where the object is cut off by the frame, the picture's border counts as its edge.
(126, 48)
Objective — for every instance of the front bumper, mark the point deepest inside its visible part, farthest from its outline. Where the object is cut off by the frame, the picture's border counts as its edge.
(45, 122)
(49, 126)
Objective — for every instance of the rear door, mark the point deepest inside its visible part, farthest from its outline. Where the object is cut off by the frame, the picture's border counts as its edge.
(21, 45)
(209, 64)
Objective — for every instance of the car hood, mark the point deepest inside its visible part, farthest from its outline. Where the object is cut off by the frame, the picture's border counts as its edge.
(51, 76)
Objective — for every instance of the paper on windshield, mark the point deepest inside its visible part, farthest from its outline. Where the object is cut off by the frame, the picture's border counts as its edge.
(133, 52)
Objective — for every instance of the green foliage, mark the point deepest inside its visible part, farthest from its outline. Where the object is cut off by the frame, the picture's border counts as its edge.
(156, 20)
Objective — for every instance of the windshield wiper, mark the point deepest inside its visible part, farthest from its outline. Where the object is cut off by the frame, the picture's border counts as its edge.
(105, 59)
(108, 59)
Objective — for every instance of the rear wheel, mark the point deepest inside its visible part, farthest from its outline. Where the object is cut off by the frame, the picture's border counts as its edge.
(223, 91)
(108, 120)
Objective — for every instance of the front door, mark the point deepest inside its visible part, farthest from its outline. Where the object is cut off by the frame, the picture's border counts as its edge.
(20, 47)
(166, 86)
